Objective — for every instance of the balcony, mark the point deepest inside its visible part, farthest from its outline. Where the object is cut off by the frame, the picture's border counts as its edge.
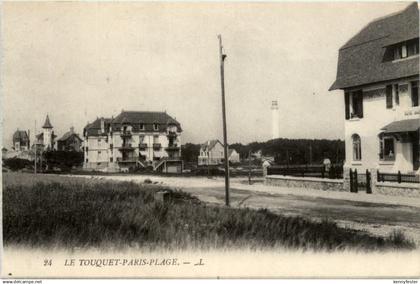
(157, 146)
(142, 146)
(171, 133)
(127, 160)
(126, 134)
(126, 147)
(172, 148)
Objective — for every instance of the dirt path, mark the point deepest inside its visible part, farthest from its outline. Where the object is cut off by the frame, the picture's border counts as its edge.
(375, 213)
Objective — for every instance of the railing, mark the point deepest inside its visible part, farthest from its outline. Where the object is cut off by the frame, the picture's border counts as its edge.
(172, 148)
(125, 134)
(397, 177)
(334, 172)
(156, 146)
(126, 147)
(127, 160)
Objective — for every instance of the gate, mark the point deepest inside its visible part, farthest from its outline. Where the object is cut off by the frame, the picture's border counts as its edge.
(360, 182)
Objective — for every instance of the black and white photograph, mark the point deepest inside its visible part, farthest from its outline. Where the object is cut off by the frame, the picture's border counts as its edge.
(216, 140)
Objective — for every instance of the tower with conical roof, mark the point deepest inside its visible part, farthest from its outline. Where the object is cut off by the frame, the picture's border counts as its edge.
(47, 133)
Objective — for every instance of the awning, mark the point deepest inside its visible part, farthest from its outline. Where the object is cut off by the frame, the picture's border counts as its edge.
(408, 125)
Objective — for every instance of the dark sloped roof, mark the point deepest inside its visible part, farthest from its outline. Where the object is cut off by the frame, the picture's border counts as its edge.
(93, 129)
(20, 135)
(47, 123)
(408, 125)
(69, 134)
(361, 59)
(135, 118)
(146, 117)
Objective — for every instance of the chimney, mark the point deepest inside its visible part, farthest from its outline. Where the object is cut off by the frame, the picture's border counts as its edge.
(29, 139)
(72, 129)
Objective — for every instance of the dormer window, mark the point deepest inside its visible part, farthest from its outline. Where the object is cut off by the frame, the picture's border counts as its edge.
(141, 126)
(155, 126)
(402, 50)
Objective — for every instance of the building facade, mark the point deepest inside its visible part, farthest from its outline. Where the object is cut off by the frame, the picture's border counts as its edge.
(46, 139)
(132, 140)
(212, 154)
(70, 141)
(378, 70)
(21, 140)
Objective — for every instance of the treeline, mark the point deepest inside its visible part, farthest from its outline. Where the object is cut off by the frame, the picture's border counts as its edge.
(284, 151)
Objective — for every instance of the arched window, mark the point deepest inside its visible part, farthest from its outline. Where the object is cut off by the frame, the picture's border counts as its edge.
(357, 147)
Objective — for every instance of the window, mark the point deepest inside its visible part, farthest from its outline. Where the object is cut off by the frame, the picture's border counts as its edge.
(99, 152)
(111, 146)
(413, 47)
(415, 93)
(111, 159)
(356, 104)
(397, 94)
(141, 139)
(87, 160)
(388, 93)
(357, 148)
(155, 126)
(141, 126)
(404, 51)
(387, 152)
(155, 139)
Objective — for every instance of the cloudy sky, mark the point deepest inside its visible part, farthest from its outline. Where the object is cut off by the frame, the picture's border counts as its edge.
(79, 61)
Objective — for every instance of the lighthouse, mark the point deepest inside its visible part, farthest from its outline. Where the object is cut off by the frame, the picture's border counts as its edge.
(275, 119)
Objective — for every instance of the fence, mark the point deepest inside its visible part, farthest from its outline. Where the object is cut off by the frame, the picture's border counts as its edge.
(362, 181)
(398, 177)
(335, 171)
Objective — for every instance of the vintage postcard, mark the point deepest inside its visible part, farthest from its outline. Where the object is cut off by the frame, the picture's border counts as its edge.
(210, 139)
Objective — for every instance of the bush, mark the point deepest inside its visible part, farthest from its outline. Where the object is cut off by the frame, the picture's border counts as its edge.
(64, 160)
(17, 164)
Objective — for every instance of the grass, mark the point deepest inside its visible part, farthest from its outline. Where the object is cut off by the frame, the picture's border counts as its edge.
(50, 211)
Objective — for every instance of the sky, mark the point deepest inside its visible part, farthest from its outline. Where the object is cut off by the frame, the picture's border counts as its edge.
(77, 61)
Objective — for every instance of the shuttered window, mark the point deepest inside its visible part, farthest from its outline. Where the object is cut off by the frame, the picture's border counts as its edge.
(397, 94)
(347, 104)
(415, 93)
(388, 93)
(357, 104)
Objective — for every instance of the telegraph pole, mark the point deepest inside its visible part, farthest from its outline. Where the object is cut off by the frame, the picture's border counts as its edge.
(35, 147)
(225, 145)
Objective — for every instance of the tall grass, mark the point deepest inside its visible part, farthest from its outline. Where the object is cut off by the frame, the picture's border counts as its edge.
(87, 213)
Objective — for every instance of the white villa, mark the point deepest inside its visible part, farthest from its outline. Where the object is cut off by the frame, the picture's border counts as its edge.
(133, 139)
(212, 153)
(378, 70)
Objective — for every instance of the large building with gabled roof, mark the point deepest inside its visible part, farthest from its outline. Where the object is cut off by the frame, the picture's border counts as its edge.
(133, 140)
(378, 70)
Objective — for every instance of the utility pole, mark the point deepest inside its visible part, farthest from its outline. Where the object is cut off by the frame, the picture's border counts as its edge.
(225, 145)
(35, 148)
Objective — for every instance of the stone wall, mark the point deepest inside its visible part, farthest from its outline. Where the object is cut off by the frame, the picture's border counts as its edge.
(397, 189)
(314, 183)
